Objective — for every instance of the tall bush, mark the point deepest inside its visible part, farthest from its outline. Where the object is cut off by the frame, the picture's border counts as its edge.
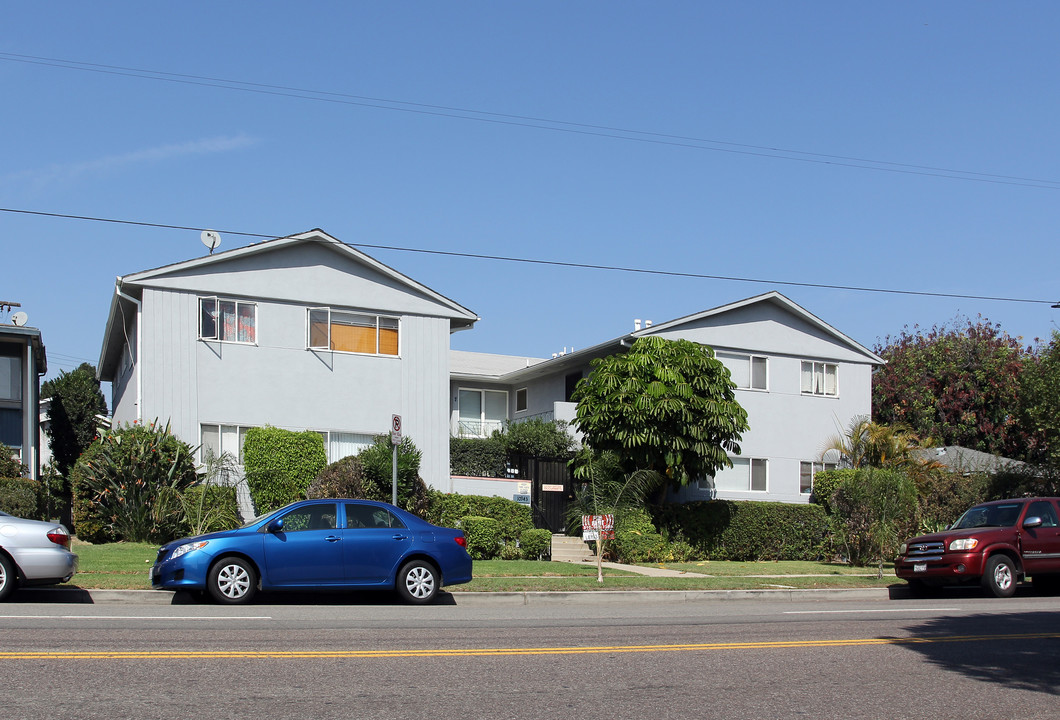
(873, 511)
(377, 462)
(512, 518)
(128, 485)
(280, 465)
(20, 496)
(478, 457)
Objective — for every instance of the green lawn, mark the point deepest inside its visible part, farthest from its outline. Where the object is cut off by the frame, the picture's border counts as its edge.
(124, 566)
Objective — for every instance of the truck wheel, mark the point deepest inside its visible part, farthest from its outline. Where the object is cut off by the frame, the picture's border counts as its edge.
(999, 579)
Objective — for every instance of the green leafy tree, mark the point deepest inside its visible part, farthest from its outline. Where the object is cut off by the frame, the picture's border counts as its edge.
(665, 406)
(76, 399)
(539, 438)
(1040, 390)
(958, 384)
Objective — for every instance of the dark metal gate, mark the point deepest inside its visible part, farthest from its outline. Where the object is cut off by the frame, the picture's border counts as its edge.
(550, 490)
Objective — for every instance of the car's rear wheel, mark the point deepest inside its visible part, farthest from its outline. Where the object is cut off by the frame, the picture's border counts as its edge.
(7, 577)
(232, 580)
(417, 582)
(1000, 577)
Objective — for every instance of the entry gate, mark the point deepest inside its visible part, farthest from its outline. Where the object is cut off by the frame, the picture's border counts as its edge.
(550, 492)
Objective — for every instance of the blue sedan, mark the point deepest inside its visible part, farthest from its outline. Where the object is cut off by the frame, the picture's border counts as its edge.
(319, 544)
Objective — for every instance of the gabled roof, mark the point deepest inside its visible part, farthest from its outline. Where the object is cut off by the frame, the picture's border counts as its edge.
(582, 357)
(129, 288)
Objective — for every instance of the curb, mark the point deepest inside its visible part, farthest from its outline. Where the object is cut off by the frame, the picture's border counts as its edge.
(474, 599)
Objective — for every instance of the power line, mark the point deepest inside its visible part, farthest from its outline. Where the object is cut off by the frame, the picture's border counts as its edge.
(560, 263)
(540, 123)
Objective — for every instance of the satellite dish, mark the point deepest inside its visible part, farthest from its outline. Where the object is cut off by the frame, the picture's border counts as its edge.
(211, 239)
(19, 319)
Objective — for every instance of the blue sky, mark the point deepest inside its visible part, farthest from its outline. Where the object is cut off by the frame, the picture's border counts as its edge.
(904, 146)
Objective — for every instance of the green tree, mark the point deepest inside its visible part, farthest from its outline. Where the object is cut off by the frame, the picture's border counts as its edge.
(1040, 391)
(75, 401)
(870, 444)
(958, 384)
(666, 406)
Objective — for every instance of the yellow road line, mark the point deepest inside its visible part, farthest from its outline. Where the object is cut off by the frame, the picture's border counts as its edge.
(494, 652)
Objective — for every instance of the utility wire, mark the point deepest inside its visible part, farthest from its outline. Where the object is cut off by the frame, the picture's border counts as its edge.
(559, 263)
(539, 123)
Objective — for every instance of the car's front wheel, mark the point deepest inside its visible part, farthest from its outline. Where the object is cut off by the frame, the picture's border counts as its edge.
(417, 582)
(7, 577)
(1000, 577)
(232, 580)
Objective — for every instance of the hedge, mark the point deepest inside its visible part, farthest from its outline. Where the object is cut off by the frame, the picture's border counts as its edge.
(483, 537)
(535, 544)
(746, 530)
(478, 457)
(20, 497)
(512, 517)
(280, 465)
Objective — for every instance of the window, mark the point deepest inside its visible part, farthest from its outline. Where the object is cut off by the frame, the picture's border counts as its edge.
(227, 320)
(369, 516)
(1044, 510)
(481, 412)
(352, 332)
(520, 400)
(339, 445)
(11, 379)
(220, 439)
(820, 378)
(806, 472)
(11, 428)
(746, 474)
(318, 516)
(750, 372)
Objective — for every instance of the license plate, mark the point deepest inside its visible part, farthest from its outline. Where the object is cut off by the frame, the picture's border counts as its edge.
(920, 567)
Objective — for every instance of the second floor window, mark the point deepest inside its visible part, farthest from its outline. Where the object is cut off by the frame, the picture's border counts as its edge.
(747, 371)
(352, 332)
(481, 412)
(820, 378)
(228, 320)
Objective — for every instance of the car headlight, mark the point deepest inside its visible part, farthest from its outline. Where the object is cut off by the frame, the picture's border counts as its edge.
(187, 548)
(964, 544)
(902, 548)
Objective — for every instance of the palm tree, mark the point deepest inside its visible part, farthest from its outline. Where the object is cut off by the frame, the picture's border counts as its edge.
(870, 444)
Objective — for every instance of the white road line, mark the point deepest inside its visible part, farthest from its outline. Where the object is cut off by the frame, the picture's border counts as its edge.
(133, 617)
(869, 612)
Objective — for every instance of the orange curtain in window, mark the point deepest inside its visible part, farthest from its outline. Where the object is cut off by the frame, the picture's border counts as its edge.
(351, 338)
(388, 341)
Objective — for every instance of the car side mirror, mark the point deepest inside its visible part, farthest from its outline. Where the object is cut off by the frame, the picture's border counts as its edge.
(1032, 522)
(275, 526)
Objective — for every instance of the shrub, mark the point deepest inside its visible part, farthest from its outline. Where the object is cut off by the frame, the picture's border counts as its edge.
(21, 497)
(942, 496)
(280, 465)
(483, 537)
(535, 544)
(478, 457)
(539, 438)
(209, 508)
(872, 511)
(512, 517)
(511, 551)
(743, 530)
(343, 479)
(128, 484)
(377, 463)
(1025, 481)
(9, 466)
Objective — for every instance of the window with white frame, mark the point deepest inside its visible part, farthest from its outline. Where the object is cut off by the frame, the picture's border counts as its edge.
(219, 439)
(820, 378)
(339, 445)
(806, 472)
(480, 412)
(745, 475)
(342, 331)
(228, 320)
(749, 372)
(520, 400)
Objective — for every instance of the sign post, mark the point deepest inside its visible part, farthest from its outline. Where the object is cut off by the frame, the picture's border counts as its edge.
(598, 528)
(395, 440)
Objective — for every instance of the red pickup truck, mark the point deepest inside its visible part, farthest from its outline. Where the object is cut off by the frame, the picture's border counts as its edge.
(997, 544)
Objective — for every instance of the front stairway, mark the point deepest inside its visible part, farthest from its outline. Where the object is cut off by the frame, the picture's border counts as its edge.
(570, 549)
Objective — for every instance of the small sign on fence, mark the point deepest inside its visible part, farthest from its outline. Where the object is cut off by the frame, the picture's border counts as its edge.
(596, 526)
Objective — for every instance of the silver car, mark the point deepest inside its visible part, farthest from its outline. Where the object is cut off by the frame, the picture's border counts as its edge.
(33, 553)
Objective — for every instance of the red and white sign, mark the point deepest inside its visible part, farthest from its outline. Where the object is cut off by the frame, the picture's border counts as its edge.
(395, 429)
(595, 526)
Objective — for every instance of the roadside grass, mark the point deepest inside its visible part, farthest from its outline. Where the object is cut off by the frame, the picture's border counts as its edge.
(124, 566)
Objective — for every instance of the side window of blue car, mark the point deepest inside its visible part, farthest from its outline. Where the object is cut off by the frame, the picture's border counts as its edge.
(319, 516)
(370, 516)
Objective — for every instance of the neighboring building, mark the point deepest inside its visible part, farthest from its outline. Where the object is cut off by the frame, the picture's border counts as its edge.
(23, 362)
(799, 379)
(966, 461)
(302, 333)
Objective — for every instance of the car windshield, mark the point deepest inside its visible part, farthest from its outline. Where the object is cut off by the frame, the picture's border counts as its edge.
(1003, 515)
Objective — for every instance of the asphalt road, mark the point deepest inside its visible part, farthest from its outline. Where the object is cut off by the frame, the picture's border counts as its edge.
(957, 656)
